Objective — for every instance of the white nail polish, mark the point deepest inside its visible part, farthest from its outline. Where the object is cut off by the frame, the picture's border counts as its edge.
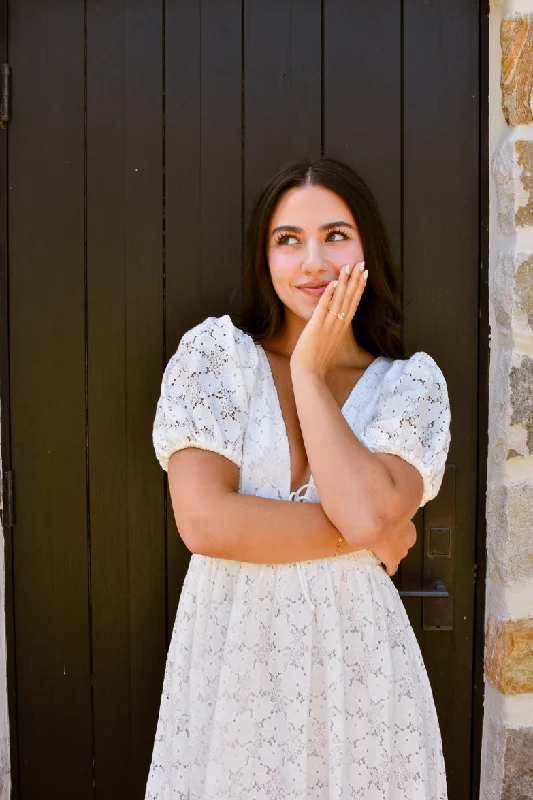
(365, 274)
(348, 269)
(362, 266)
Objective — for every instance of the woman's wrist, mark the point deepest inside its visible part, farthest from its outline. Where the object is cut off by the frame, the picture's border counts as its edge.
(303, 374)
(345, 548)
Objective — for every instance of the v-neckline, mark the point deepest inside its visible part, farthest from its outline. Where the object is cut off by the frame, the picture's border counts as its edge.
(344, 406)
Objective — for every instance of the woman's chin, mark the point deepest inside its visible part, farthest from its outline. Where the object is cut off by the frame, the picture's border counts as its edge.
(303, 311)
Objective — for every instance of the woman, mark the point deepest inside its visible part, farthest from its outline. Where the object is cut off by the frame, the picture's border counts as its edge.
(293, 671)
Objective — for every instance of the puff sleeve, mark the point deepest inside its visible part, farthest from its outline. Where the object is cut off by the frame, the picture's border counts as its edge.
(412, 419)
(205, 393)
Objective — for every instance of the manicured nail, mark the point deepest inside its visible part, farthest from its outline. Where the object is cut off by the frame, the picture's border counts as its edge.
(348, 268)
(335, 283)
(362, 266)
(365, 274)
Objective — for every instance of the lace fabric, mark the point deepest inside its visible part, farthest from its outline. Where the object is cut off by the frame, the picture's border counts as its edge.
(301, 681)
(412, 419)
(299, 496)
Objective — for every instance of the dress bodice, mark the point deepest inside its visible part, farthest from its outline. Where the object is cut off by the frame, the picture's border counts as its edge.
(218, 393)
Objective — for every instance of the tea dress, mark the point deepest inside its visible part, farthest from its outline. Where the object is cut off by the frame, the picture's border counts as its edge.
(298, 681)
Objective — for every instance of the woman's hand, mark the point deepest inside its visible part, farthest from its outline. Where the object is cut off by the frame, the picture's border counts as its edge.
(395, 547)
(323, 334)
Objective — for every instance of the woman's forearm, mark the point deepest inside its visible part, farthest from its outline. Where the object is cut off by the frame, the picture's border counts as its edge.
(353, 484)
(259, 530)
(214, 519)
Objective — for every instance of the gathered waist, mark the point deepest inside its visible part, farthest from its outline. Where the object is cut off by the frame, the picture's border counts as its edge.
(365, 556)
(357, 557)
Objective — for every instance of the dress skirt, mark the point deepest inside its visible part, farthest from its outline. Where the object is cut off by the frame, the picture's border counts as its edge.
(295, 682)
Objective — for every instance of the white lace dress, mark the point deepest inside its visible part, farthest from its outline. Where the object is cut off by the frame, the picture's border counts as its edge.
(297, 681)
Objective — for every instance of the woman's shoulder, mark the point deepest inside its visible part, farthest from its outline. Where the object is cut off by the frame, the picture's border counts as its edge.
(412, 386)
(216, 329)
(218, 342)
(205, 393)
(419, 368)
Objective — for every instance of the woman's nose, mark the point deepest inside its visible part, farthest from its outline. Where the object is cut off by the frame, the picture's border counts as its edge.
(314, 257)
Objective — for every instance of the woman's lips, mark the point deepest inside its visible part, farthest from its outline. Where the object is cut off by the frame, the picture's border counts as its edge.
(313, 291)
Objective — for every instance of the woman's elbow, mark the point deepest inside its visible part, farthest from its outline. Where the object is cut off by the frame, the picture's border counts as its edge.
(360, 530)
(191, 525)
(366, 531)
(201, 526)
(363, 533)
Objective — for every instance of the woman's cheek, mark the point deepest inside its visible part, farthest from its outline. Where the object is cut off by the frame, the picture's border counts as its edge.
(282, 285)
(283, 271)
(281, 262)
(348, 254)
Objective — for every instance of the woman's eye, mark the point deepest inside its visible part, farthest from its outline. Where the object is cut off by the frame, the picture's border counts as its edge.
(338, 233)
(283, 239)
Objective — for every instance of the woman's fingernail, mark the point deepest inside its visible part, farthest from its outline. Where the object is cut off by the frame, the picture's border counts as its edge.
(362, 266)
(365, 274)
(348, 268)
(335, 283)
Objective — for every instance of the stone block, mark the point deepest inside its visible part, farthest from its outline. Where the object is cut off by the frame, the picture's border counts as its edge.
(512, 169)
(516, 37)
(509, 532)
(521, 385)
(512, 293)
(492, 754)
(509, 655)
(507, 765)
(511, 418)
(518, 765)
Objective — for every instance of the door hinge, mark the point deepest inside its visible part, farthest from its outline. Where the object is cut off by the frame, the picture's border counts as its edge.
(9, 511)
(5, 100)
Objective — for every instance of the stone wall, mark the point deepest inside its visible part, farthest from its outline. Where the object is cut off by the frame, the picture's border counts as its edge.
(507, 751)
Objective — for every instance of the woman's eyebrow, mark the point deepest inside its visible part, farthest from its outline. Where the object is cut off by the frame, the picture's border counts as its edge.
(327, 227)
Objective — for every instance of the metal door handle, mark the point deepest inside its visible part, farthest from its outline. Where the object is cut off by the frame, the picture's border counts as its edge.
(439, 590)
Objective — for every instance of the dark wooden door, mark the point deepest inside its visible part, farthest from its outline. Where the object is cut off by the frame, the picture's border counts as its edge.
(140, 134)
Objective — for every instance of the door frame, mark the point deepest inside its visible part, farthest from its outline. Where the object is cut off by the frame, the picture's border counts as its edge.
(478, 687)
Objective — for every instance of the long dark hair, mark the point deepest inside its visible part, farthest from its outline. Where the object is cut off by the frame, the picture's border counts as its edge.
(377, 323)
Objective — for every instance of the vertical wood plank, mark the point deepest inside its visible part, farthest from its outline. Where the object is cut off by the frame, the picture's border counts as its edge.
(203, 185)
(183, 300)
(362, 97)
(47, 374)
(221, 157)
(125, 301)
(441, 211)
(282, 94)
(7, 630)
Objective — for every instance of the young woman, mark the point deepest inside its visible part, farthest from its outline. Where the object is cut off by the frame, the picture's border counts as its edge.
(299, 445)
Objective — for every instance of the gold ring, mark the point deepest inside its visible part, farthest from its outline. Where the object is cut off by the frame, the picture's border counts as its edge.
(340, 316)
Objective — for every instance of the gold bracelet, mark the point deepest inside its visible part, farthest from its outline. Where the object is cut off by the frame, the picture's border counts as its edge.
(340, 539)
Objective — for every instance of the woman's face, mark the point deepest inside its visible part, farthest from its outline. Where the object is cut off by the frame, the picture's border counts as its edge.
(312, 235)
